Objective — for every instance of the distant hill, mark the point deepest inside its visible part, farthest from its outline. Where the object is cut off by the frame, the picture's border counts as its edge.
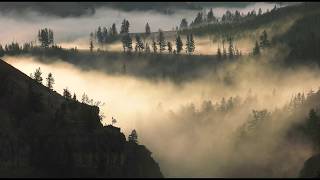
(267, 19)
(65, 9)
(43, 134)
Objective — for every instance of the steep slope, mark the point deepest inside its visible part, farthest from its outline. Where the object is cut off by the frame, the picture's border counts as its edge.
(303, 39)
(311, 168)
(42, 134)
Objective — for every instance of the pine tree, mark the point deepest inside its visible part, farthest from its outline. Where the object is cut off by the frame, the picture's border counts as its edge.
(85, 98)
(37, 75)
(91, 42)
(139, 43)
(154, 46)
(264, 42)
(113, 121)
(50, 37)
(231, 49)
(114, 30)
(50, 81)
(183, 24)
(123, 27)
(179, 44)
(133, 137)
(256, 49)
(148, 31)
(66, 93)
(99, 35)
(129, 43)
(1, 51)
(210, 16)
(199, 19)
(74, 97)
(188, 43)
(259, 12)
(161, 41)
(127, 26)
(169, 47)
(126, 42)
(192, 45)
(104, 35)
(219, 55)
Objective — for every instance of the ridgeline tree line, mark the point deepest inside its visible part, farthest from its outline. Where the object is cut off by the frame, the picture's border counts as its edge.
(227, 18)
(104, 35)
(158, 45)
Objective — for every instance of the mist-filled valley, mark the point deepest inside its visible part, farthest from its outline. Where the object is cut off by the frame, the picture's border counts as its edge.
(239, 99)
(194, 125)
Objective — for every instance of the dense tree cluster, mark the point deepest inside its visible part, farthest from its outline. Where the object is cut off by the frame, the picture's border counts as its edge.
(139, 44)
(103, 35)
(227, 17)
(264, 43)
(45, 37)
(161, 41)
(230, 52)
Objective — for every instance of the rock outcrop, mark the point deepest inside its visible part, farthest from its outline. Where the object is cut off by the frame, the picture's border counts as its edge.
(43, 134)
(311, 168)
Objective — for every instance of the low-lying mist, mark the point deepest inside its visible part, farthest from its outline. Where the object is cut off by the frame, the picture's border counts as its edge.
(191, 128)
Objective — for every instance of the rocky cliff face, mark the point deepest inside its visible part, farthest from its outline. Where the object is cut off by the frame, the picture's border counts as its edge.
(42, 134)
(311, 168)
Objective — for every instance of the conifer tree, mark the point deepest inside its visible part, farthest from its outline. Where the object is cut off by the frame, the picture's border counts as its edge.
(139, 43)
(161, 41)
(169, 47)
(256, 49)
(154, 46)
(66, 93)
(50, 81)
(183, 24)
(114, 30)
(179, 44)
(219, 55)
(210, 16)
(74, 97)
(37, 75)
(231, 49)
(148, 30)
(264, 42)
(133, 137)
(91, 42)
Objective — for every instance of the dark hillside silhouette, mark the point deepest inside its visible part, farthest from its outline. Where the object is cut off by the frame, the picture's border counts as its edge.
(43, 134)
